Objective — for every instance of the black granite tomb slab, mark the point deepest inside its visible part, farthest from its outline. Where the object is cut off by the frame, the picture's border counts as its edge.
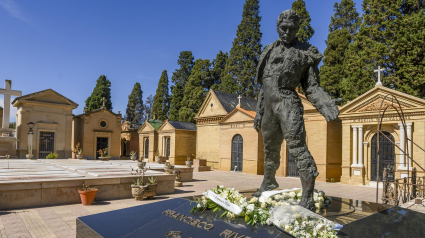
(149, 221)
(394, 222)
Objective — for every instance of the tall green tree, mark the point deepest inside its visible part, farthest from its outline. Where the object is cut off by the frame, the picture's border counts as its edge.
(344, 24)
(148, 108)
(161, 102)
(101, 90)
(383, 40)
(306, 31)
(179, 79)
(135, 108)
(241, 67)
(194, 92)
(217, 71)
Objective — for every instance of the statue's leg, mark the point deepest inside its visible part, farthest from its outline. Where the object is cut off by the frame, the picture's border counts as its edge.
(295, 135)
(272, 138)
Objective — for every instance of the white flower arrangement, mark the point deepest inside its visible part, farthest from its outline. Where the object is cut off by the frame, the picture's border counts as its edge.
(301, 222)
(294, 198)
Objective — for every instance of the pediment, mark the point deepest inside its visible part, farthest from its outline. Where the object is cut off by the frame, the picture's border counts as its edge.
(166, 126)
(146, 127)
(211, 106)
(371, 101)
(47, 96)
(239, 115)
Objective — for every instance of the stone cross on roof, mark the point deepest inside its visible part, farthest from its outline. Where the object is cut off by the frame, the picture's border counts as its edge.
(379, 75)
(239, 104)
(8, 92)
(104, 101)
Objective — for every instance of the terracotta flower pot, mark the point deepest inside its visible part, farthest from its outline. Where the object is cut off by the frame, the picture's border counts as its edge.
(87, 197)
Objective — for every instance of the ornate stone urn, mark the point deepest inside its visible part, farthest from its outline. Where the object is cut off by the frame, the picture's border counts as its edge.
(141, 164)
(29, 156)
(79, 156)
(188, 163)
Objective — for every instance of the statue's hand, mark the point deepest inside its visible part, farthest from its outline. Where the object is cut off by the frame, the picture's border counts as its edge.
(257, 121)
(330, 110)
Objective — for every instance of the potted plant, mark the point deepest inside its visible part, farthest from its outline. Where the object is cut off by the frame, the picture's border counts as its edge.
(29, 155)
(138, 188)
(188, 162)
(103, 155)
(79, 155)
(87, 194)
(133, 155)
(168, 167)
(152, 187)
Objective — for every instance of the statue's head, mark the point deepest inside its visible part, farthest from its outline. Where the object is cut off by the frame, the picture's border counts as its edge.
(288, 24)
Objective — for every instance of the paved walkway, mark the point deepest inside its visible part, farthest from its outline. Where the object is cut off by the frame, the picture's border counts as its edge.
(59, 221)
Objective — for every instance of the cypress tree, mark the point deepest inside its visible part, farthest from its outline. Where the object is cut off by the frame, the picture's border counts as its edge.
(180, 78)
(217, 71)
(344, 24)
(388, 37)
(306, 31)
(135, 108)
(241, 67)
(100, 91)
(148, 108)
(194, 92)
(161, 102)
(407, 56)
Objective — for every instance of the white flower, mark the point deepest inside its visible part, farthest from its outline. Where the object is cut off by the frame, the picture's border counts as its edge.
(273, 203)
(263, 205)
(221, 186)
(269, 200)
(199, 205)
(244, 204)
(254, 199)
(250, 207)
(269, 222)
(299, 194)
(292, 194)
(319, 227)
(287, 228)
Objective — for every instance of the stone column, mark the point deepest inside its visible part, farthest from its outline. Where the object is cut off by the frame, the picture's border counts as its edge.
(163, 145)
(402, 146)
(360, 159)
(354, 146)
(409, 144)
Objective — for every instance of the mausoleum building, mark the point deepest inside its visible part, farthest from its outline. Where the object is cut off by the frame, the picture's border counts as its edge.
(227, 139)
(177, 141)
(359, 136)
(148, 139)
(129, 138)
(98, 129)
(52, 115)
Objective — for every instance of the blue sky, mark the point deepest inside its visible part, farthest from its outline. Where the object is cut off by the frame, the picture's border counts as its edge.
(67, 45)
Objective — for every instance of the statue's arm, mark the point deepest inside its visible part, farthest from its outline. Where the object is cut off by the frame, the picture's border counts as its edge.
(317, 96)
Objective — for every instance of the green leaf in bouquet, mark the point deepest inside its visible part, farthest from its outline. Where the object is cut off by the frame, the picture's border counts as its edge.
(224, 213)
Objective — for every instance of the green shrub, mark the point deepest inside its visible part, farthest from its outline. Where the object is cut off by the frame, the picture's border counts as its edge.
(52, 156)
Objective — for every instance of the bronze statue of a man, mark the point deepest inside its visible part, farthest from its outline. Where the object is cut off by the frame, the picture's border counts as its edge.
(282, 66)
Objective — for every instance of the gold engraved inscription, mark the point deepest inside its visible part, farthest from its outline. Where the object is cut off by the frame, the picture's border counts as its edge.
(189, 220)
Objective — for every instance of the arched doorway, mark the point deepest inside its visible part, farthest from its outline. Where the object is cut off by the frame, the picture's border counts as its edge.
(147, 148)
(386, 156)
(292, 170)
(237, 153)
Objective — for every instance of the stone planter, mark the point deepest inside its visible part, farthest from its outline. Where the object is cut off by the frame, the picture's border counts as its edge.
(169, 169)
(138, 191)
(79, 156)
(141, 164)
(157, 159)
(133, 157)
(29, 156)
(104, 158)
(188, 163)
(87, 197)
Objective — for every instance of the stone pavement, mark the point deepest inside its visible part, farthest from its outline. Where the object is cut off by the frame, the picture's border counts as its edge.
(59, 221)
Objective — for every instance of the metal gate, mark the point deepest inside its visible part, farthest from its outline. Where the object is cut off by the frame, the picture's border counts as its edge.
(102, 143)
(386, 159)
(147, 148)
(168, 147)
(47, 144)
(292, 166)
(237, 153)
